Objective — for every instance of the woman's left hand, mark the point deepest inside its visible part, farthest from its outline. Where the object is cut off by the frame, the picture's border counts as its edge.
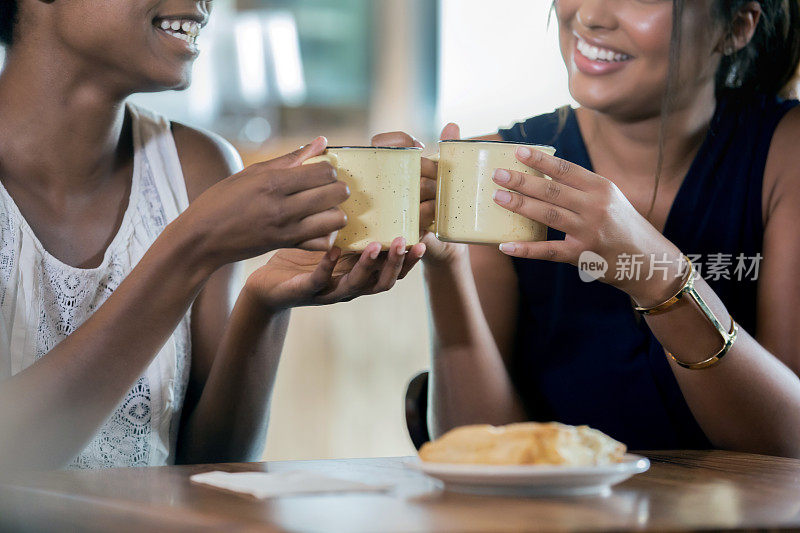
(294, 278)
(596, 217)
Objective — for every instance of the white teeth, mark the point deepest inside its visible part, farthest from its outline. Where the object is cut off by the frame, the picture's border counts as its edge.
(185, 30)
(594, 53)
(183, 37)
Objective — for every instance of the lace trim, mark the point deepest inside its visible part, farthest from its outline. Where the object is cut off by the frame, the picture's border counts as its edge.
(68, 296)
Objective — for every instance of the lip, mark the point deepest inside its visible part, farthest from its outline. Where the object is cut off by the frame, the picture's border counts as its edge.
(596, 68)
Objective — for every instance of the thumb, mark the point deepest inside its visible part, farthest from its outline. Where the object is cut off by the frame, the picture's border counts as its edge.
(451, 132)
(296, 158)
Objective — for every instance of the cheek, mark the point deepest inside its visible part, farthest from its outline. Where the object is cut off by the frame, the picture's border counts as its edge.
(105, 18)
(650, 32)
(565, 14)
(99, 31)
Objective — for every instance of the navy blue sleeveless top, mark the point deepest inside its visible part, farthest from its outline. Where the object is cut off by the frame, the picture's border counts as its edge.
(581, 355)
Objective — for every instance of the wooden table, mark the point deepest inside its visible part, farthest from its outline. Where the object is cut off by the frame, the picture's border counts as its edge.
(682, 491)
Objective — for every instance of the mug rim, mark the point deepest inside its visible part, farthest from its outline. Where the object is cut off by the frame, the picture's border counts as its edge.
(482, 141)
(373, 148)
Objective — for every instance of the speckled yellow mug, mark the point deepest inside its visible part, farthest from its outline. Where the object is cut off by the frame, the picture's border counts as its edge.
(384, 194)
(465, 208)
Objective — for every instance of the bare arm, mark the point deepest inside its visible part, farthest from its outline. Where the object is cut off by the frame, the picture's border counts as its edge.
(751, 401)
(236, 354)
(235, 348)
(470, 382)
(473, 299)
(50, 410)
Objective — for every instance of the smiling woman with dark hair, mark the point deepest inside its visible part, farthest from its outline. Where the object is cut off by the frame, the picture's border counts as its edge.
(682, 148)
(119, 231)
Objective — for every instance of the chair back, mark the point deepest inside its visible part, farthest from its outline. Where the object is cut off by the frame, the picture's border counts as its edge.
(417, 409)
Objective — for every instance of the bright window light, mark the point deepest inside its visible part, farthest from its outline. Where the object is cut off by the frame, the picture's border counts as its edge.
(251, 58)
(285, 45)
(499, 63)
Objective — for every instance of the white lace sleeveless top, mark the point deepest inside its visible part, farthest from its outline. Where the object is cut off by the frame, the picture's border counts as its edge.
(42, 300)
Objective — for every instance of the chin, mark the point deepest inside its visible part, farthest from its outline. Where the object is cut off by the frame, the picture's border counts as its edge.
(627, 105)
(168, 81)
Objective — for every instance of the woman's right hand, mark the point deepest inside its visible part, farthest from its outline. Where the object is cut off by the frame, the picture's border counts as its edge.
(274, 204)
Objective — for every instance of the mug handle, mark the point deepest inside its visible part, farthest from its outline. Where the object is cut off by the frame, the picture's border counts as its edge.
(333, 161)
(435, 158)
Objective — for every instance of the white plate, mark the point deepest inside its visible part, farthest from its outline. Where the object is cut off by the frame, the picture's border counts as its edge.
(532, 480)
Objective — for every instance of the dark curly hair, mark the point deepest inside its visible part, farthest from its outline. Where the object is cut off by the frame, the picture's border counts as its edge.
(8, 17)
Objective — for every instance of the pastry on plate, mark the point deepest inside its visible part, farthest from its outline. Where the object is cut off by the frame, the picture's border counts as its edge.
(524, 443)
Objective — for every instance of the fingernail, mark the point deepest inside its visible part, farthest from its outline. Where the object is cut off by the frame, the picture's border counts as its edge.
(524, 152)
(502, 197)
(401, 247)
(375, 253)
(502, 176)
(508, 248)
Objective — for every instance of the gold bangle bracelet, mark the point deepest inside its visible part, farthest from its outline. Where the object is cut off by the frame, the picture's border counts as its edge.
(687, 284)
(728, 337)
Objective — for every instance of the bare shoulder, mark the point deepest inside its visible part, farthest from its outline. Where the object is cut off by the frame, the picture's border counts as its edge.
(206, 158)
(782, 172)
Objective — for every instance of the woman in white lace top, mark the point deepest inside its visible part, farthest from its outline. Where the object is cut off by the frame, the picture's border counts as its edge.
(119, 232)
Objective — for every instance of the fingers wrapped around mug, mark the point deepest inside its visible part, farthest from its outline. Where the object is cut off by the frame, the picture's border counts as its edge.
(587, 207)
(396, 138)
(427, 199)
(535, 198)
(551, 203)
(560, 170)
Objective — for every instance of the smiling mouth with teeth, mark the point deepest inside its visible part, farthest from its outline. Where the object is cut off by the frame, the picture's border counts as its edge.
(595, 53)
(184, 29)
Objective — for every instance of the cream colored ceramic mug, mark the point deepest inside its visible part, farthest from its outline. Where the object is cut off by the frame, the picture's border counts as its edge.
(384, 194)
(465, 208)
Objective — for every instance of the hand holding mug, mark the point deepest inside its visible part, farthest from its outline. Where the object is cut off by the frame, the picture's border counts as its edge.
(294, 278)
(274, 204)
(594, 215)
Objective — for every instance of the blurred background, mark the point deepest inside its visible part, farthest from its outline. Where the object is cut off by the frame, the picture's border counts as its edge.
(274, 74)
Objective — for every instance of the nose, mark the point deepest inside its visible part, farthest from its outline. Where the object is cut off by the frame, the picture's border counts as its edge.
(596, 15)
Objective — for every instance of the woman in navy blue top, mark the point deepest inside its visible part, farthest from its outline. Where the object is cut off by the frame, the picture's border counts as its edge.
(520, 336)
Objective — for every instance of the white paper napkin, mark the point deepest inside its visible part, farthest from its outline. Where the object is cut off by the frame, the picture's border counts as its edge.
(271, 485)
